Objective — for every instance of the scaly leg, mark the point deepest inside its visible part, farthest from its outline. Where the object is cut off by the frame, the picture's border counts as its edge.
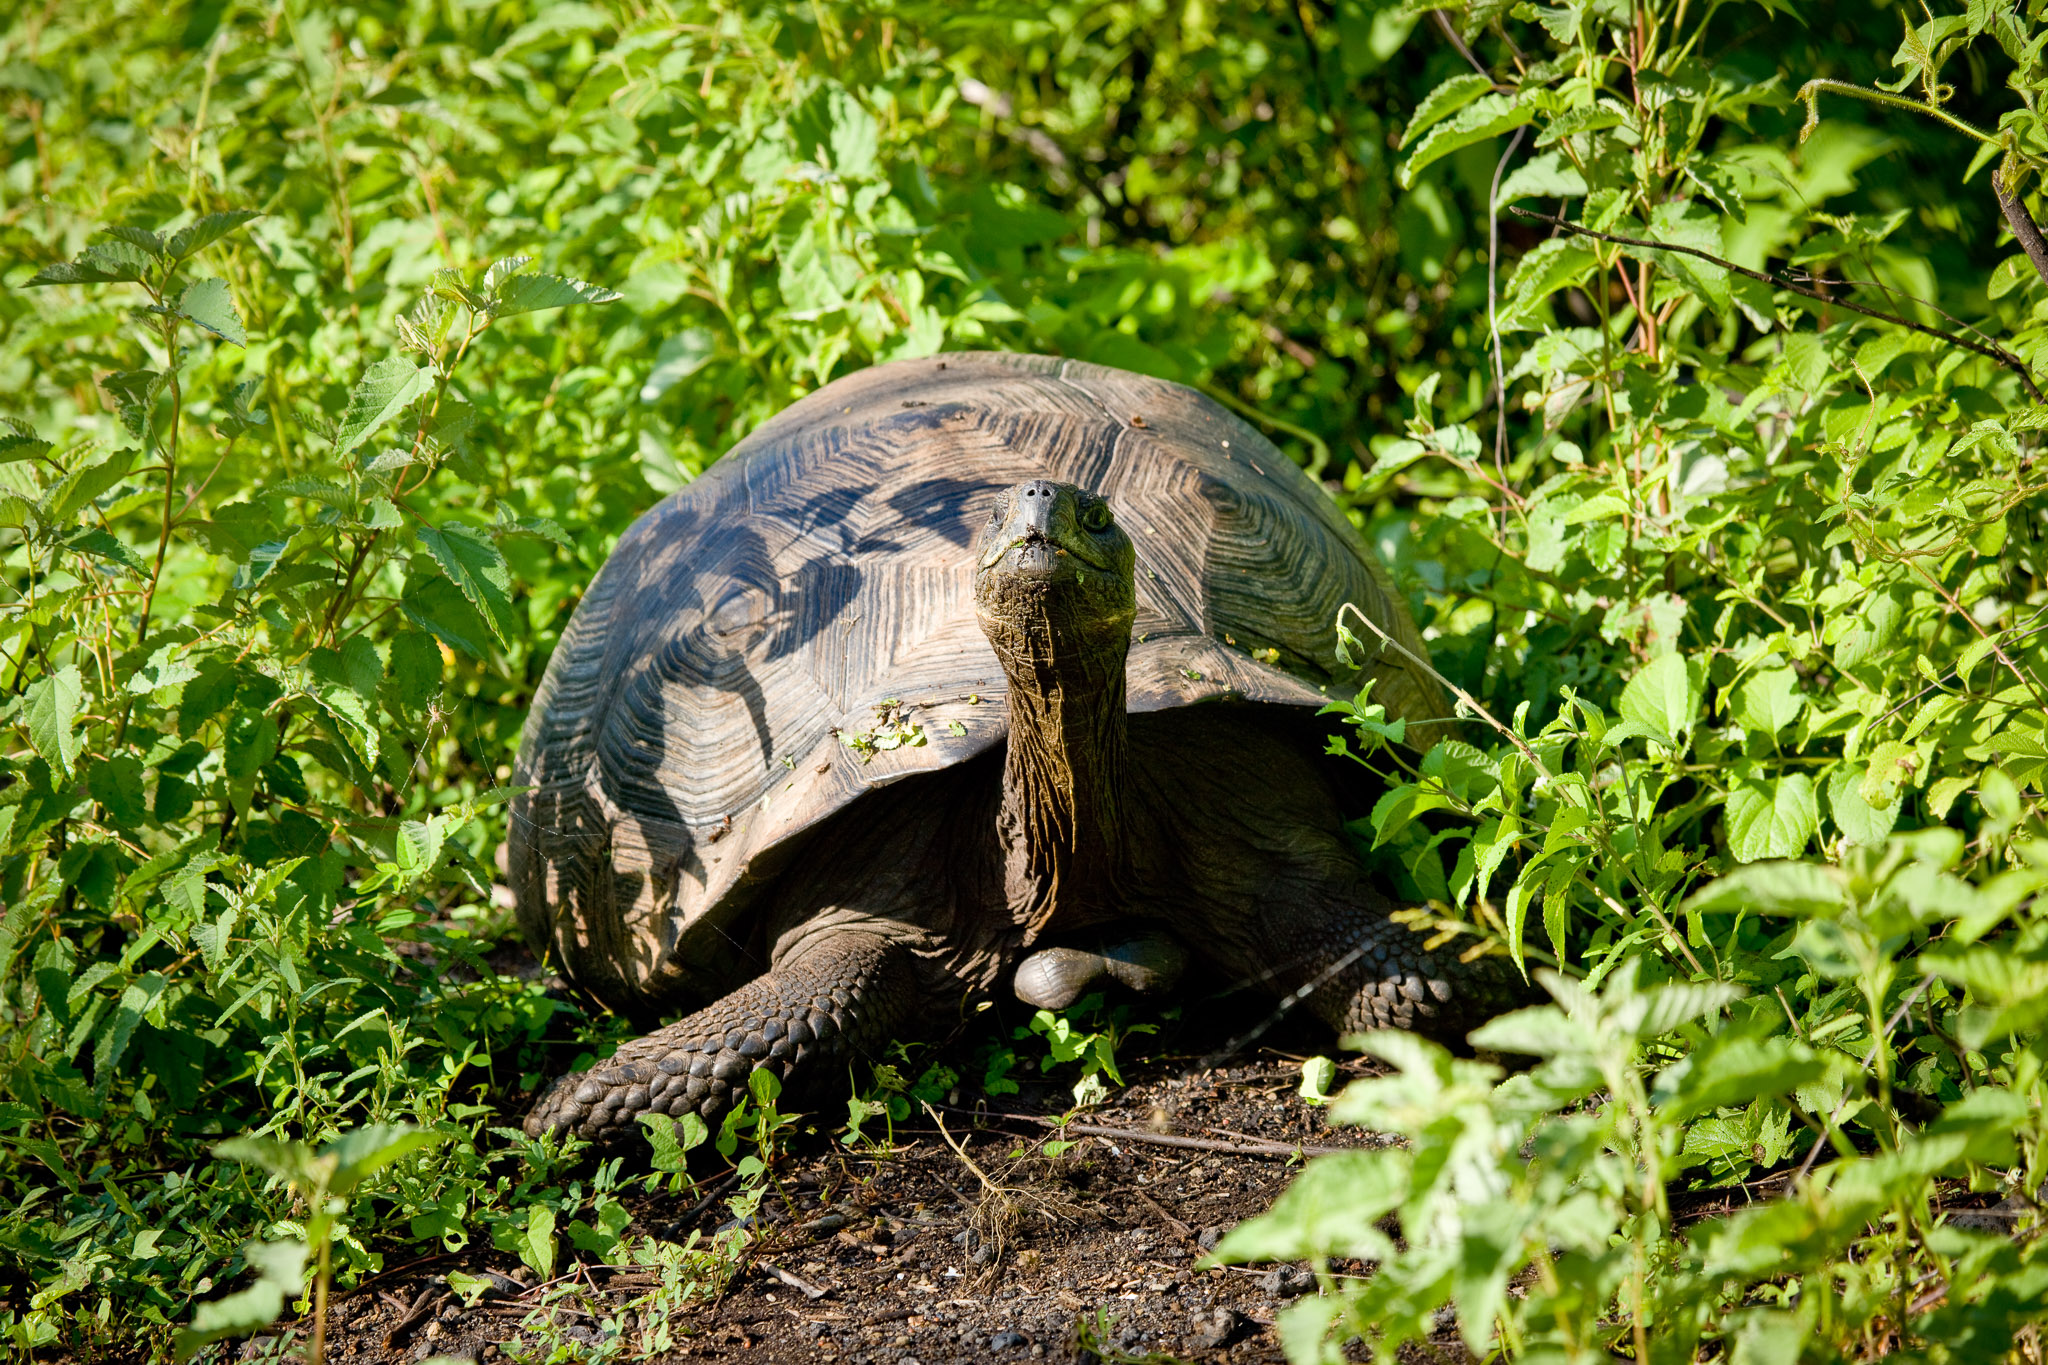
(836, 994)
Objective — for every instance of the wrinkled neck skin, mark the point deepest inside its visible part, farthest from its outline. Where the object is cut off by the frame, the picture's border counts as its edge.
(1061, 826)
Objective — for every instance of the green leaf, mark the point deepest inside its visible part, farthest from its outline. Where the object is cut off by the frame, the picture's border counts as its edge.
(1772, 819)
(1548, 176)
(438, 607)
(51, 712)
(1769, 700)
(281, 1273)
(474, 565)
(1664, 696)
(101, 263)
(533, 293)
(362, 1152)
(1732, 1069)
(537, 1242)
(209, 304)
(1858, 820)
(208, 230)
(15, 445)
(385, 389)
(415, 670)
(1487, 117)
(1332, 1209)
(1447, 99)
(86, 483)
(681, 356)
(472, 1288)
(291, 1162)
(100, 544)
(832, 126)
(116, 783)
(1779, 888)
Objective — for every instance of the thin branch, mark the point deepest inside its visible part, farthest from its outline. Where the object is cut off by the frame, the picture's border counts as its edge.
(1988, 351)
(1451, 33)
(1460, 693)
(1500, 382)
(2024, 230)
(1869, 1060)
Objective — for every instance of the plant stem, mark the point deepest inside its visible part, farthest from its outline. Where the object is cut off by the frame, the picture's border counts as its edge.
(1987, 350)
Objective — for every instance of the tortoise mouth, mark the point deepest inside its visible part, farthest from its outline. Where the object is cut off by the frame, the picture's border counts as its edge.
(1035, 557)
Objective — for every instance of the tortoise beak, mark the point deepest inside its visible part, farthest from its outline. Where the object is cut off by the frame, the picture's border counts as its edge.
(1036, 526)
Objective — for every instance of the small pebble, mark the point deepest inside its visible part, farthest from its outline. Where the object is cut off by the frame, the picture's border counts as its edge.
(1287, 1281)
(1006, 1341)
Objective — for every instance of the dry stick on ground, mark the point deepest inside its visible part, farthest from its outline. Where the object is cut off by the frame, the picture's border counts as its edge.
(802, 1286)
(1248, 1147)
(1989, 350)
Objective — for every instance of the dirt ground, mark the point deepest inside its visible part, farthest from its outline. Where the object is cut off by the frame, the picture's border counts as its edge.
(909, 1257)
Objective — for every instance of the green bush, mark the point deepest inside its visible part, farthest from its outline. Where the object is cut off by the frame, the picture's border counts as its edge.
(1759, 593)
(298, 494)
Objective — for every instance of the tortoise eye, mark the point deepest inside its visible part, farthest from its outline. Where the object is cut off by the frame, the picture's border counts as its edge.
(1096, 516)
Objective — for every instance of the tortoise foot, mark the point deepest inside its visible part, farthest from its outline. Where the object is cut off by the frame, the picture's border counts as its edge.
(1054, 978)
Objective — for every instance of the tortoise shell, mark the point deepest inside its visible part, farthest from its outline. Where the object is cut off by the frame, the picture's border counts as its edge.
(797, 627)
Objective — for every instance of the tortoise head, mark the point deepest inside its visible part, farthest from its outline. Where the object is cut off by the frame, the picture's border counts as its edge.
(1053, 558)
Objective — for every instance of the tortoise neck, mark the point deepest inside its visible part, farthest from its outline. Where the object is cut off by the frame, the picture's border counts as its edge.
(1062, 820)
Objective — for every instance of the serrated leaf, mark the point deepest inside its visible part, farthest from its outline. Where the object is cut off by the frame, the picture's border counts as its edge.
(1732, 1069)
(438, 607)
(533, 293)
(19, 446)
(418, 847)
(474, 565)
(100, 544)
(1773, 889)
(1858, 820)
(1769, 700)
(101, 263)
(17, 511)
(1487, 117)
(282, 1272)
(362, 1152)
(208, 230)
(383, 392)
(84, 484)
(356, 721)
(501, 271)
(1664, 696)
(1447, 99)
(1546, 176)
(415, 669)
(209, 304)
(116, 783)
(1772, 819)
(50, 710)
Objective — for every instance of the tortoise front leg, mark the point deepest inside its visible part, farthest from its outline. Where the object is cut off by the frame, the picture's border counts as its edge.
(1333, 944)
(839, 993)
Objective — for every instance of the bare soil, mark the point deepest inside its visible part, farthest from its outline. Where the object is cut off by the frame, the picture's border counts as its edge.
(922, 1254)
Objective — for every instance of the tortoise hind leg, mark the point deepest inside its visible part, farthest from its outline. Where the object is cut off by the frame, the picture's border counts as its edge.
(839, 993)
